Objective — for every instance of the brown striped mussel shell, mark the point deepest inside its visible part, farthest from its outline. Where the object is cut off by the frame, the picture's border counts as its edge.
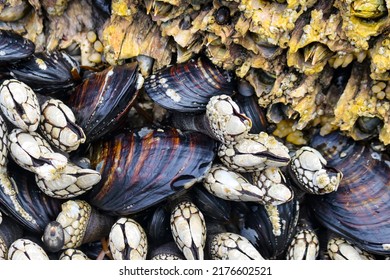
(142, 168)
(360, 209)
(101, 103)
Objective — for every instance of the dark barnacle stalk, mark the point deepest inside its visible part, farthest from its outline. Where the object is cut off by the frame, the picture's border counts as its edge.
(78, 223)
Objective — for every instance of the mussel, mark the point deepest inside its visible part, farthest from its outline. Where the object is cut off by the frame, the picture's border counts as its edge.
(21, 199)
(359, 210)
(103, 100)
(187, 87)
(141, 168)
(271, 228)
(48, 73)
(14, 47)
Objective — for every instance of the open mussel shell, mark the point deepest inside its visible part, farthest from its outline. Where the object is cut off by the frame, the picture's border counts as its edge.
(48, 73)
(25, 202)
(271, 228)
(187, 87)
(103, 100)
(359, 210)
(141, 168)
(14, 47)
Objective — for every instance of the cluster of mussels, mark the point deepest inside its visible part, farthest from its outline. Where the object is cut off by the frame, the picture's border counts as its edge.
(145, 160)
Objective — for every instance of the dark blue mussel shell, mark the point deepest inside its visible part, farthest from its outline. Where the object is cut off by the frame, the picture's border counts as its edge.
(187, 87)
(48, 73)
(142, 168)
(360, 209)
(271, 239)
(13, 47)
(21, 199)
(102, 101)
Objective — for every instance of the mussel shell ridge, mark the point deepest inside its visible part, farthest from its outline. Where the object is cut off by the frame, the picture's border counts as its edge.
(142, 168)
(360, 209)
(187, 87)
(26, 203)
(103, 100)
(14, 47)
(271, 230)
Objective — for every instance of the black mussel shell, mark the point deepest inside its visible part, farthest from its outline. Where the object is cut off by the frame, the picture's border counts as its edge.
(187, 87)
(101, 103)
(212, 207)
(140, 169)
(9, 230)
(250, 107)
(103, 5)
(158, 228)
(48, 73)
(13, 47)
(28, 204)
(360, 209)
(271, 239)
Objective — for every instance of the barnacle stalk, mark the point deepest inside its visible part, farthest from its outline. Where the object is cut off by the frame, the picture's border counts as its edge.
(25, 249)
(80, 224)
(73, 254)
(223, 120)
(232, 246)
(127, 240)
(167, 251)
(253, 153)
(341, 249)
(189, 230)
(265, 187)
(309, 171)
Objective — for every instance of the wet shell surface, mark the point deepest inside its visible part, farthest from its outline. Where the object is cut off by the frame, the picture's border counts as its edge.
(271, 228)
(48, 73)
(14, 47)
(359, 210)
(187, 87)
(22, 199)
(141, 168)
(103, 100)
